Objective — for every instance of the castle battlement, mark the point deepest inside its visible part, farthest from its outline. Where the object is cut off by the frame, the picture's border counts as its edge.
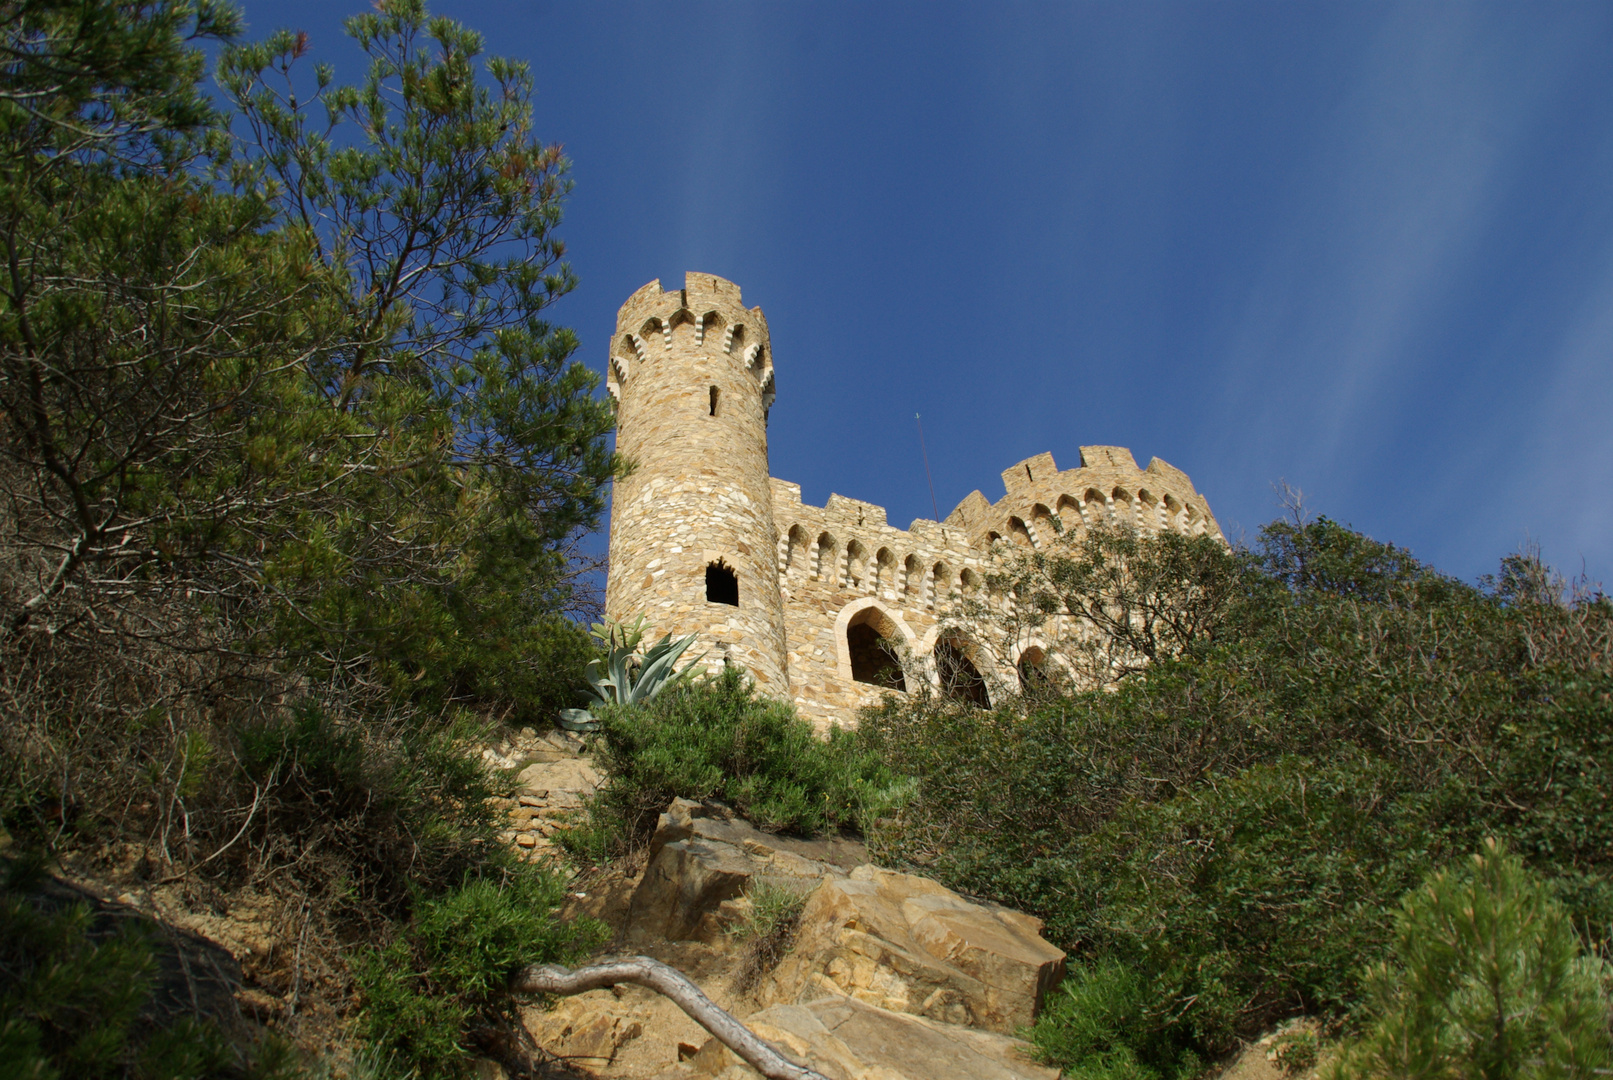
(704, 541)
(708, 314)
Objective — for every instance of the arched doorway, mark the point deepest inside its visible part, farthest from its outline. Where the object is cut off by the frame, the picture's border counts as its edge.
(960, 678)
(870, 643)
(1034, 677)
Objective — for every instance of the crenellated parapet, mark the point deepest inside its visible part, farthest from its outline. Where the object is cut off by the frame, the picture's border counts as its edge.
(842, 565)
(814, 600)
(707, 314)
(1107, 487)
(848, 545)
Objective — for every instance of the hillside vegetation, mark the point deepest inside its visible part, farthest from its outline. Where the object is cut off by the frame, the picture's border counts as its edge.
(292, 467)
(1313, 778)
(1299, 734)
(293, 470)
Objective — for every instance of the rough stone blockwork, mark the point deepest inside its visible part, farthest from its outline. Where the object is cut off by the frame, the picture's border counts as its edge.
(700, 523)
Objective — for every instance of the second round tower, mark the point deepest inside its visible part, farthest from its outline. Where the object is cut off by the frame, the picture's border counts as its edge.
(693, 545)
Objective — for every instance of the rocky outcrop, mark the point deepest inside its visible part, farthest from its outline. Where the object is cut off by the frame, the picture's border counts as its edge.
(891, 976)
(703, 859)
(898, 941)
(553, 778)
(911, 945)
(847, 1039)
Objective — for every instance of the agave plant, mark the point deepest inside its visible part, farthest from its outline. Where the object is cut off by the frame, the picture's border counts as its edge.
(623, 676)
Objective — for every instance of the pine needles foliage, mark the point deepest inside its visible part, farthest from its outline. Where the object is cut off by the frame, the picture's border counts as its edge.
(1488, 980)
(293, 461)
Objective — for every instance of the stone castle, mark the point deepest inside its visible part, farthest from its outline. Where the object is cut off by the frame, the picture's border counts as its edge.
(703, 541)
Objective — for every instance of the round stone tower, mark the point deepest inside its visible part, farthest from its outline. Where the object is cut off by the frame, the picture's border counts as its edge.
(693, 546)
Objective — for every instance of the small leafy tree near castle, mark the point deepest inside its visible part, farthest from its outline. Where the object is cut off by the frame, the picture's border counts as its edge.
(1489, 981)
(1109, 600)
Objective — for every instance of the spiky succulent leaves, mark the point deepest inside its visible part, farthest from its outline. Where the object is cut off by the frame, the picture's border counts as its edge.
(613, 634)
(657, 673)
(616, 679)
(619, 665)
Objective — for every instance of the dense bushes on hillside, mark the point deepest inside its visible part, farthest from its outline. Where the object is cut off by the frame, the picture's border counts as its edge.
(714, 738)
(1235, 820)
(288, 499)
(79, 1002)
(439, 990)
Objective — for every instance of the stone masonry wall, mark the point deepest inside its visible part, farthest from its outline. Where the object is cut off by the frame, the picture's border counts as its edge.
(843, 563)
(692, 374)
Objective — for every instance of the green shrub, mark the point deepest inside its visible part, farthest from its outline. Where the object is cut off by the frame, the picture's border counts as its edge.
(1488, 980)
(715, 738)
(70, 1001)
(1296, 1050)
(1101, 1024)
(435, 996)
(768, 928)
(1253, 897)
(396, 810)
(1234, 820)
(76, 1002)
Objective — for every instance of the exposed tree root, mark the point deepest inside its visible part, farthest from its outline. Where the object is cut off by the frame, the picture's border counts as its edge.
(670, 983)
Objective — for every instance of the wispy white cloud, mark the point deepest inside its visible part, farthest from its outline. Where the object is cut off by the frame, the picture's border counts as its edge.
(1562, 472)
(1408, 175)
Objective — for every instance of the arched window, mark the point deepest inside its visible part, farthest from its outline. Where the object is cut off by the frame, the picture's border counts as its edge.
(1070, 513)
(1147, 510)
(1097, 509)
(885, 573)
(913, 579)
(710, 323)
(1033, 676)
(960, 679)
(1123, 514)
(1173, 513)
(873, 659)
(1018, 533)
(856, 564)
(795, 550)
(940, 583)
(825, 568)
(681, 317)
(1042, 523)
(722, 584)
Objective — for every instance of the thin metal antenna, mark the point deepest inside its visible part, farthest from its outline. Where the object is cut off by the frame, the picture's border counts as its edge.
(926, 455)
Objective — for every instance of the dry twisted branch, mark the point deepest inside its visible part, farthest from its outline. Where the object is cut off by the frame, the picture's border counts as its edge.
(671, 983)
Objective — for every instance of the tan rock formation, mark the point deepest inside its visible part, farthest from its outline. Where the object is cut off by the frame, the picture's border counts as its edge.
(703, 859)
(911, 945)
(846, 1039)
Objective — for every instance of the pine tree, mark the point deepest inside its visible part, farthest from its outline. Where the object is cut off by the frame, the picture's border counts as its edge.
(1489, 982)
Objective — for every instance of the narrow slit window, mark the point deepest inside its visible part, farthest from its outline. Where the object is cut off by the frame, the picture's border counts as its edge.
(722, 584)
(714, 393)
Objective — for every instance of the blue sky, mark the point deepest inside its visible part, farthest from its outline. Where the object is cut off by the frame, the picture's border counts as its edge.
(1365, 248)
